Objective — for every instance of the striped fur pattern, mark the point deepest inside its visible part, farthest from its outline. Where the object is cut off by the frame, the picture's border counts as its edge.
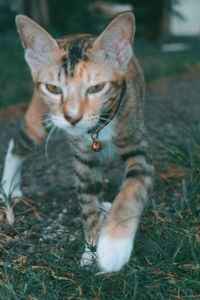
(84, 82)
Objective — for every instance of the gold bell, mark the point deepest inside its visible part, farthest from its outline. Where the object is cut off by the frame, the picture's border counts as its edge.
(96, 146)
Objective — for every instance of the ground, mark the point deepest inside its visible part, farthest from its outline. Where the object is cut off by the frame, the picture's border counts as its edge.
(40, 253)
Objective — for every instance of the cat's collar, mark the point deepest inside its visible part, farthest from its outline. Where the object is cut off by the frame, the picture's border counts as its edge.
(94, 132)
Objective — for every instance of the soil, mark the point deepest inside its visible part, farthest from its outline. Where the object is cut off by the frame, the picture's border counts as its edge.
(50, 214)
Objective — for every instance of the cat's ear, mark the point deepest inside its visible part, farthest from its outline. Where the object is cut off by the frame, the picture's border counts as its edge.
(116, 40)
(38, 44)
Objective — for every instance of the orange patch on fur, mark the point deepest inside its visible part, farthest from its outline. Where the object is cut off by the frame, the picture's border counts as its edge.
(33, 118)
(117, 230)
(86, 67)
(37, 137)
(88, 76)
(81, 72)
(83, 106)
(126, 210)
(84, 72)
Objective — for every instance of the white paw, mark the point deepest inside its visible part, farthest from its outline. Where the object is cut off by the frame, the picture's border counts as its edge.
(88, 258)
(10, 184)
(106, 206)
(112, 253)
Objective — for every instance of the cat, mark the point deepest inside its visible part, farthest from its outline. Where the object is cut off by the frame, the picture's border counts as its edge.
(92, 88)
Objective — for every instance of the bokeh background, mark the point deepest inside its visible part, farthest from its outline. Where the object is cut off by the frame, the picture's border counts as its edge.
(167, 39)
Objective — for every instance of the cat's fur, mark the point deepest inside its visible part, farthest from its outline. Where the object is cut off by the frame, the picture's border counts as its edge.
(75, 64)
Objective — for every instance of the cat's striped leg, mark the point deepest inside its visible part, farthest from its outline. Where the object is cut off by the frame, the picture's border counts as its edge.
(117, 236)
(89, 187)
(30, 134)
(89, 255)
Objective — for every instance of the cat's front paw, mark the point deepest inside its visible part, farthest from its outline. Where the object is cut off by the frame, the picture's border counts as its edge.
(113, 253)
(106, 207)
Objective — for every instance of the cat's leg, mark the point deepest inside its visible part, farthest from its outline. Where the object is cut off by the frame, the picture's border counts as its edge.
(30, 134)
(117, 235)
(89, 187)
(89, 255)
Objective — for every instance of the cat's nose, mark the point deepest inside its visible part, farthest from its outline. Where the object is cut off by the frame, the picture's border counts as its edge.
(73, 120)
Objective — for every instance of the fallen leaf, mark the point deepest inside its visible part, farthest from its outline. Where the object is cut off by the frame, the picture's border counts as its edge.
(172, 172)
(22, 259)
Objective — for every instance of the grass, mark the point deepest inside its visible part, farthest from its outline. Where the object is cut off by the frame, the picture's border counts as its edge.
(166, 259)
(6, 206)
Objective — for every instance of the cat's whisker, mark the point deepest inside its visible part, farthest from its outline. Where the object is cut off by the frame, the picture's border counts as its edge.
(52, 130)
(48, 123)
(44, 113)
(47, 119)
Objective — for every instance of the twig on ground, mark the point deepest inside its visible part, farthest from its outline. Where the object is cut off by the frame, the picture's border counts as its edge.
(28, 202)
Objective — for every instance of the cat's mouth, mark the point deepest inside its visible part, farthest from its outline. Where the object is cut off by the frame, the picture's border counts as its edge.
(79, 129)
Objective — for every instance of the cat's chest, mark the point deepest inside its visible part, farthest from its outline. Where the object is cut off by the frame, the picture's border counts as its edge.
(109, 151)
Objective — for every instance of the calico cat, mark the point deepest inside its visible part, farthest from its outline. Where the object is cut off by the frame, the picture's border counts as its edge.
(93, 89)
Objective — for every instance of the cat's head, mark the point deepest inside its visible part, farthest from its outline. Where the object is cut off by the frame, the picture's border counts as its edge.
(78, 77)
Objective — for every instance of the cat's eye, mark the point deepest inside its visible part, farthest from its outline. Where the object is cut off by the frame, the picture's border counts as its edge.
(96, 88)
(53, 89)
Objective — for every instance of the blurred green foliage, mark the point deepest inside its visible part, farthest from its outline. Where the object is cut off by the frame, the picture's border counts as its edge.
(72, 16)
